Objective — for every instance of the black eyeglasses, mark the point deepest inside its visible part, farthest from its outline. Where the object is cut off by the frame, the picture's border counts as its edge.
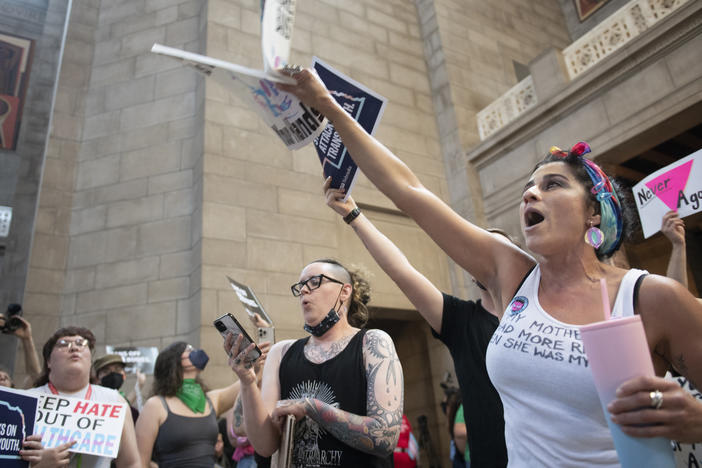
(313, 282)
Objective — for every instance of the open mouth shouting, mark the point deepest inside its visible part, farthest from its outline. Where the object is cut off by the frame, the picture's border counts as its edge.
(532, 217)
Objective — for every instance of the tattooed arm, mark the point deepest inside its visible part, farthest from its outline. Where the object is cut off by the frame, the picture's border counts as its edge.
(376, 433)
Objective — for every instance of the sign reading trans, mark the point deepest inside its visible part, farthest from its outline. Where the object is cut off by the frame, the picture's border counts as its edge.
(364, 105)
(17, 412)
(249, 300)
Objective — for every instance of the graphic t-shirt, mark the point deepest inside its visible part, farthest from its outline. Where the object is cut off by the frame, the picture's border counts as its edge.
(339, 382)
(686, 455)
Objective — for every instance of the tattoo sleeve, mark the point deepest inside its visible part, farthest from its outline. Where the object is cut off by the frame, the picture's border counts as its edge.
(238, 421)
(378, 431)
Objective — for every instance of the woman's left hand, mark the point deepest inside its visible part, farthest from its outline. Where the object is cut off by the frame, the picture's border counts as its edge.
(678, 417)
(285, 407)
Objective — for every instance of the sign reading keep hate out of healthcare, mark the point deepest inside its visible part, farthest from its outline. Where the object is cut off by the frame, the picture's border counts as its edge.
(96, 427)
(677, 186)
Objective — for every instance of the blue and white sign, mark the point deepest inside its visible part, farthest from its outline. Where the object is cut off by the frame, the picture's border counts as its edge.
(17, 412)
(364, 105)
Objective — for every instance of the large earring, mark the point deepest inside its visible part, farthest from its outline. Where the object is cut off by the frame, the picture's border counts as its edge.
(594, 236)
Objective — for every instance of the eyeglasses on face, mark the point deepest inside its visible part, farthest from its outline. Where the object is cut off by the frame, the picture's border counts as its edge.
(79, 343)
(313, 282)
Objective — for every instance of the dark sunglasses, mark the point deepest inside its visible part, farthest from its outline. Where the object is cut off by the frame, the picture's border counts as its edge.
(313, 282)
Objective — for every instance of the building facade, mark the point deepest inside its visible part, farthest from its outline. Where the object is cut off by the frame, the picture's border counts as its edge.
(136, 185)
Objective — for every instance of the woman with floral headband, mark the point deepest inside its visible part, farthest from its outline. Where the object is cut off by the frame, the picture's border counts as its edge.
(571, 217)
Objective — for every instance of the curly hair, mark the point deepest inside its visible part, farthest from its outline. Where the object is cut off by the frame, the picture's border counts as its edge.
(51, 342)
(360, 291)
(168, 370)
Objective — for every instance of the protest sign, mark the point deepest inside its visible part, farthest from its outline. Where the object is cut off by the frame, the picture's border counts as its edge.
(677, 186)
(17, 410)
(96, 426)
(364, 105)
(141, 358)
(249, 300)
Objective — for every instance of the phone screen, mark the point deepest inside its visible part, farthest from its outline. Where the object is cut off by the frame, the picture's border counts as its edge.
(228, 324)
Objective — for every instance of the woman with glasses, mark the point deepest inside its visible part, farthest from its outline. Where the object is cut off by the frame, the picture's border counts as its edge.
(178, 424)
(343, 384)
(67, 362)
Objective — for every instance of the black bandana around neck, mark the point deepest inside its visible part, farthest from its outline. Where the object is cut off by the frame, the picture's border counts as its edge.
(322, 327)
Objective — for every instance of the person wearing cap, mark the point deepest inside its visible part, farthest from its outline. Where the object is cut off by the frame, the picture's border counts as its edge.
(109, 370)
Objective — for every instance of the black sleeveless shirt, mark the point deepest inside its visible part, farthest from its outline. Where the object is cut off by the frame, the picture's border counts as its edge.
(339, 382)
(185, 441)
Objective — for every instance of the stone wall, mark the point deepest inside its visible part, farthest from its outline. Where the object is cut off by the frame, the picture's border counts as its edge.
(42, 21)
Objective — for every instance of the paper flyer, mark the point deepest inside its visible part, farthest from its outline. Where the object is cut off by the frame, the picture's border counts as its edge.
(141, 358)
(364, 105)
(677, 186)
(291, 120)
(277, 21)
(249, 300)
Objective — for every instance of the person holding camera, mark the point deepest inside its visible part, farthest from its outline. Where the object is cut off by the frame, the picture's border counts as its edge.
(12, 323)
(343, 384)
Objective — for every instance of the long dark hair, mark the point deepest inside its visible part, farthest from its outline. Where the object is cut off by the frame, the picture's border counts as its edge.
(168, 370)
(360, 292)
(51, 342)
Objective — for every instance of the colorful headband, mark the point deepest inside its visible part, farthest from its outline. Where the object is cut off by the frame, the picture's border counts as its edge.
(611, 221)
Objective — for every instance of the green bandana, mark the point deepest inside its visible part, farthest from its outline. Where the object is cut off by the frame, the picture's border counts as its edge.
(192, 395)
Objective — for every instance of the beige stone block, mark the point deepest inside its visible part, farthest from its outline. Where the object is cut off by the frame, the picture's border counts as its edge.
(162, 110)
(42, 304)
(265, 148)
(58, 174)
(112, 72)
(409, 78)
(317, 9)
(271, 255)
(81, 279)
(135, 211)
(178, 203)
(226, 190)
(103, 171)
(139, 270)
(386, 20)
(231, 116)
(169, 289)
(100, 125)
(141, 322)
(290, 228)
(223, 222)
(409, 60)
(155, 160)
(682, 64)
(91, 219)
(305, 205)
(357, 8)
(101, 299)
(174, 82)
(169, 235)
(129, 93)
(176, 264)
(44, 280)
(141, 42)
(357, 23)
(244, 46)
(350, 56)
(45, 220)
(170, 182)
(407, 44)
(251, 23)
(223, 252)
(187, 127)
(182, 31)
(97, 196)
(49, 251)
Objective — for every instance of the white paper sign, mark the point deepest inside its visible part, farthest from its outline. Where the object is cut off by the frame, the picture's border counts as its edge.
(677, 186)
(96, 426)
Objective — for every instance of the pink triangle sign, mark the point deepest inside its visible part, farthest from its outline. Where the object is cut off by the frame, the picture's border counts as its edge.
(667, 187)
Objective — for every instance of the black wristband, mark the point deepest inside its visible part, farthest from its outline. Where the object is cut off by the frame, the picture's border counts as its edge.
(352, 215)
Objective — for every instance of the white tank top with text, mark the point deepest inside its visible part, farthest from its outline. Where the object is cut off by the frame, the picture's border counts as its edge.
(553, 415)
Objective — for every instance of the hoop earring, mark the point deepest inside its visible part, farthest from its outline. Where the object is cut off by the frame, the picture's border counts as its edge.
(594, 236)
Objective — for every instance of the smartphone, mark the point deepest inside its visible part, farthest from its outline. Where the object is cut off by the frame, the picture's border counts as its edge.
(228, 324)
(266, 334)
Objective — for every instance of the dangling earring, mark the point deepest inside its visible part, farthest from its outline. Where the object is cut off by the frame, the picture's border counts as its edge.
(594, 236)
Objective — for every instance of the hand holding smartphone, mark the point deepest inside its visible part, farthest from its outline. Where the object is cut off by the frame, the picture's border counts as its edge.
(228, 324)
